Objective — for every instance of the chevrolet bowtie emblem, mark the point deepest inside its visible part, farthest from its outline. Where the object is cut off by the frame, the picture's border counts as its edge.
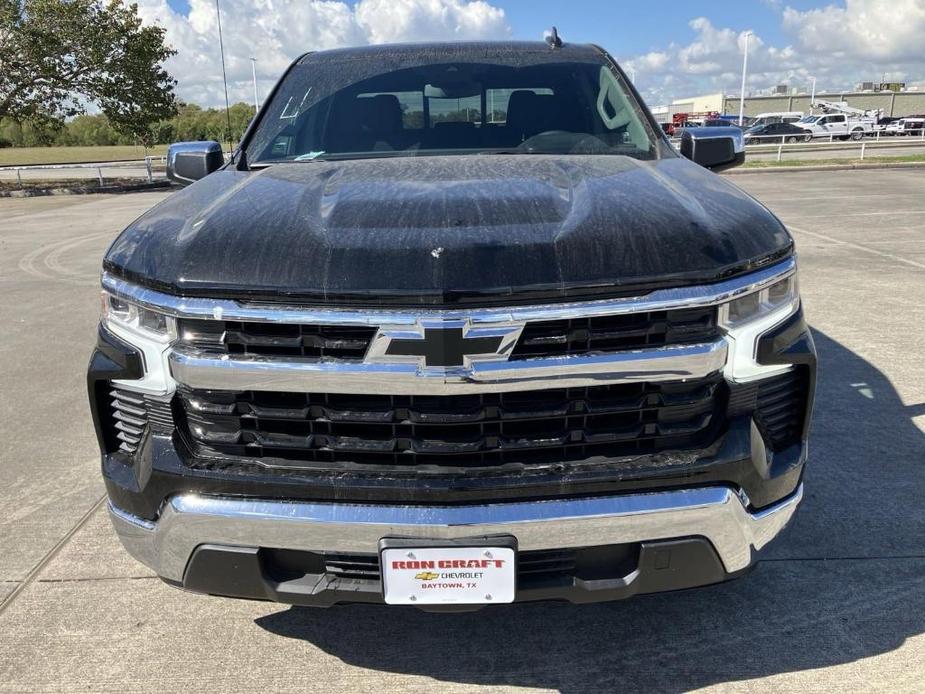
(444, 344)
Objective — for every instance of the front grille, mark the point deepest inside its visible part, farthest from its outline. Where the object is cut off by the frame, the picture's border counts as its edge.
(553, 338)
(614, 333)
(132, 412)
(347, 343)
(478, 430)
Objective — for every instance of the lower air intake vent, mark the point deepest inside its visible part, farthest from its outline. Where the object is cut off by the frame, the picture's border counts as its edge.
(132, 412)
(131, 417)
(781, 407)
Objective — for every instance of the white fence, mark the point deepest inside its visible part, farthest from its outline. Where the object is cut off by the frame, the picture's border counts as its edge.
(140, 168)
(861, 148)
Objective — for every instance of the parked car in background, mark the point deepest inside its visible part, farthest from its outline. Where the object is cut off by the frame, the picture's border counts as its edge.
(720, 122)
(912, 125)
(885, 121)
(776, 132)
(778, 117)
(894, 127)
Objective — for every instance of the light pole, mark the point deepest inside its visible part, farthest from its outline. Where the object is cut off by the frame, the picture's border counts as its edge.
(254, 69)
(221, 48)
(744, 71)
(812, 96)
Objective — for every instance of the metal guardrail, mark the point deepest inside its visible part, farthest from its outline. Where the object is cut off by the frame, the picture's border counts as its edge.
(147, 162)
(862, 146)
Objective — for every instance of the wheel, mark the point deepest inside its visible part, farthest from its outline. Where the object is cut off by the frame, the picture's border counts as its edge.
(857, 134)
(807, 138)
(792, 139)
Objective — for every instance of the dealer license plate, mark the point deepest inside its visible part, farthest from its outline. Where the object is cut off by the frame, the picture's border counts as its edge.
(448, 575)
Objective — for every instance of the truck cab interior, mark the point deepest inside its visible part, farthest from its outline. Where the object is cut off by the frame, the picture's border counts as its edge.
(446, 109)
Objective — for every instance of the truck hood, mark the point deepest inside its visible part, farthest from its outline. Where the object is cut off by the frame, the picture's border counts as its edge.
(445, 230)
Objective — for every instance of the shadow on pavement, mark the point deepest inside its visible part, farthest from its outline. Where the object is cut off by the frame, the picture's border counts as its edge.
(846, 582)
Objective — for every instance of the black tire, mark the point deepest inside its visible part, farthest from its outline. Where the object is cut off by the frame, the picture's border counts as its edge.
(807, 137)
(792, 139)
(856, 134)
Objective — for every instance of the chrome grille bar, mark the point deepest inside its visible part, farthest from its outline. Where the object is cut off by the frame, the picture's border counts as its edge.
(209, 372)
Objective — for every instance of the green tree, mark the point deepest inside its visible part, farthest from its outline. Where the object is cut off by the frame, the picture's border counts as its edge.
(56, 56)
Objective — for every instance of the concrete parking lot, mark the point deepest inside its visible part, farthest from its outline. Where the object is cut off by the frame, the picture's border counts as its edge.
(839, 605)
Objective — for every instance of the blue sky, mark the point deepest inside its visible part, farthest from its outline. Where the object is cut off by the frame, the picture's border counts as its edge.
(675, 49)
(634, 27)
(625, 27)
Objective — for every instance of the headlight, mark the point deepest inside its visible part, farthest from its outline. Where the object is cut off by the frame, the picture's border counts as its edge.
(137, 319)
(761, 303)
(746, 318)
(151, 332)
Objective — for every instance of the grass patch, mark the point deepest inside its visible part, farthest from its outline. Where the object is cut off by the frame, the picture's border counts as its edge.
(825, 162)
(24, 156)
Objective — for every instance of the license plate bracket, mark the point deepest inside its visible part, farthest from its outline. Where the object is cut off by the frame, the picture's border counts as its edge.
(464, 571)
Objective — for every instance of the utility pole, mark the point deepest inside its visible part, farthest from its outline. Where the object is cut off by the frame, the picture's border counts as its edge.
(744, 72)
(221, 47)
(254, 69)
(812, 98)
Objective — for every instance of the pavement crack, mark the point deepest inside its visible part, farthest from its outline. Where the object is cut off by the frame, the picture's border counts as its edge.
(88, 579)
(51, 554)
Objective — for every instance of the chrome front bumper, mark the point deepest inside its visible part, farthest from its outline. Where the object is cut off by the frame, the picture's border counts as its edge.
(189, 520)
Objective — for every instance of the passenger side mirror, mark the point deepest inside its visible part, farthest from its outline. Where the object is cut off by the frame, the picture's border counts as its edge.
(189, 161)
(713, 148)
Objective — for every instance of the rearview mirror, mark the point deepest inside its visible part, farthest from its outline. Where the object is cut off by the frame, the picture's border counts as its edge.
(715, 148)
(462, 89)
(189, 161)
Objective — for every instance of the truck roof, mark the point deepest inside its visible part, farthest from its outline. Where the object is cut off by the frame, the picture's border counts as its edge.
(448, 51)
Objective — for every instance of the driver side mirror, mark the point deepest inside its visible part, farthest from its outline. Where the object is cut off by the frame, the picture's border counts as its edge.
(189, 161)
(715, 148)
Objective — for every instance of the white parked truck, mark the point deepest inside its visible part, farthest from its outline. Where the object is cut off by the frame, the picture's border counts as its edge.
(839, 120)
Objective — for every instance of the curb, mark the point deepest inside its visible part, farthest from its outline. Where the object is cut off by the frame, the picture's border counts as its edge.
(827, 167)
(83, 190)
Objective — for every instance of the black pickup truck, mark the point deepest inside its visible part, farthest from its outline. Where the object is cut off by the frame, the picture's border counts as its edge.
(455, 325)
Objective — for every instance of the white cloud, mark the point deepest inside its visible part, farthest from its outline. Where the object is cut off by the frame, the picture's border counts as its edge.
(276, 31)
(654, 61)
(840, 45)
(388, 21)
(890, 31)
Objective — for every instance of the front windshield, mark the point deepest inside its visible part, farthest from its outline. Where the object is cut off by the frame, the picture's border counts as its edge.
(809, 119)
(344, 108)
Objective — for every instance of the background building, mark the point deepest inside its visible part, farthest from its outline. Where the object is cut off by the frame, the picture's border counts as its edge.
(896, 104)
(890, 103)
(698, 104)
